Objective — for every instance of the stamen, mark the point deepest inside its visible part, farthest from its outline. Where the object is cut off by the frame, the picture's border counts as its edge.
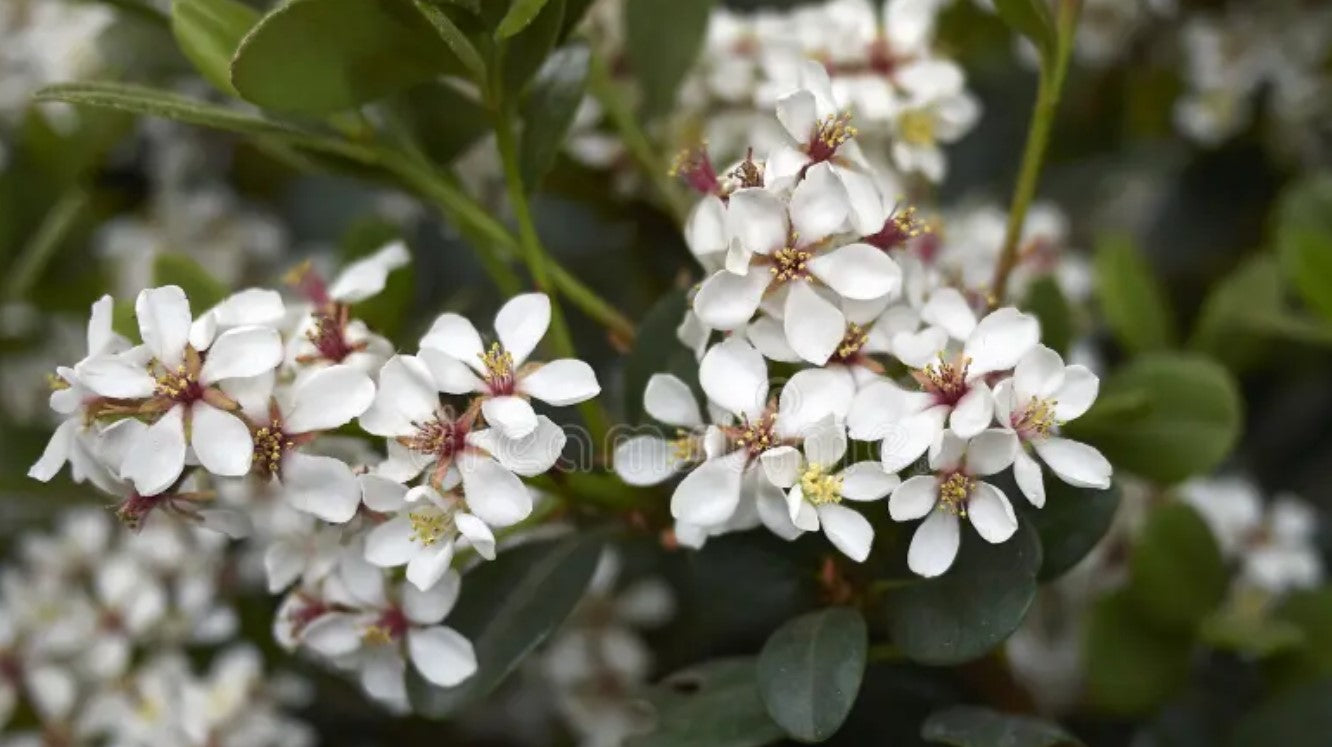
(757, 436)
(955, 492)
(439, 437)
(498, 363)
(748, 173)
(790, 263)
(917, 127)
(898, 229)
(329, 337)
(946, 381)
(829, 135)
(685, 447)
(180, 384)
(820, 488)
(694, 168)
(269, 445)
(1036, 420)
(429, 525)
(854, 339)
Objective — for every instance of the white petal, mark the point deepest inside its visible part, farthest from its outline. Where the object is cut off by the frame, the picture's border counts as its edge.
(947, 454)
(866, 481)
(934, 545)
(441, 655)
(991, 451)
(428, 607)
(974, 412)
(451, 375)
(390, 544)
(825, 445)
(814, 326)
(819, 205)
(56, 452)
(242, 352)
(948, 309)
(249, 306)
(1039, 374)
(521, 323)
(801, 512)
(644, 460)
(847, 529)
(322, 486)
(1075, 463)
(283, 564)
(528, 456)
(406, 396)
(1027, 473)
(1077, 393)
(705, 229)
(734, 376)
(727, 301)
(383, 677)
(157, 457)
(164, 322)
(812, 396)
(671, 401)
(1005, 402)
(781, 466)
(768, 336)
(328, 398)
(477, 533)
(115, 376)
(1000, 340)
(382, 495)
(879, 405)
(858, 272)
(100, 335)
(910, 438)
(798, 113)
(333, 634)
(563, 382)
(709, 495)
(991, 513)
(913, 498)
(428, 566)
(756, 219)
(512, 416)
(493, 493)
(220, 440)
(920, 349)
(454, 335)
(770, 504)
(366, 277)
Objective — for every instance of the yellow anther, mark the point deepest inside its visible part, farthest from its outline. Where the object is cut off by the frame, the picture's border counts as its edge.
(498, 363)
(377, 635)
(854, 339)
(917, 127)
(954, 493)
(269, 445)
(820, 487)
(834, 130)
(56, 383)
(429, 526)
(945, 378)
(685, 448)
(789, 263)
(1037, 419)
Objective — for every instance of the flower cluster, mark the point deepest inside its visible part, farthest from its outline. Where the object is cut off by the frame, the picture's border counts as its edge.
(94, 627)
(230, 419)
(808, 266)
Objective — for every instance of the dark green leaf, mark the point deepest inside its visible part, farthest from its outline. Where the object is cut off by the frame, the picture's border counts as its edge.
(1032, 19)
(662, 39)
(1070, 524)
(972, 607)
(1304, 241)
(208, 33)
(1176, 574)
(1250, 631)
(203, 290)
(507, 608)
(157, 103)
(524, 53)
(456, 40)
(549, 110)
(657, 350)
(1301, 718)
(973, 726)
(1132, 667)
(1223, 328)
(809, 672)
(1047, 302)
(321, 56)
(1131, 296)
(443, 120)
(1186, 416)
(521, 13)
(1311, 612)
(715, 704)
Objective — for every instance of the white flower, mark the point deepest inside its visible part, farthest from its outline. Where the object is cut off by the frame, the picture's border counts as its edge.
(1042, 395)
(953, 388)
(179, 380)
(651, 459)
(952, 492)
(815, 491)
(934, 108)
(422, 529)
(462, 365)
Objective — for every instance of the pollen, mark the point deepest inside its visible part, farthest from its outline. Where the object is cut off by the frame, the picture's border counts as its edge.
(439, 437)
(498, 363)
(377, 635)
(694, 168)
(269, 444)
(819, 487)
(854, 339)
(1037, 419)
(954, 493)
(748, 173)
(946, 380)
(429, 527)
(829, 135)
(789, 264)
(56, 383)
(178, 384)
(917, 127)
(757, 436)
(685, 447)
(900, 227)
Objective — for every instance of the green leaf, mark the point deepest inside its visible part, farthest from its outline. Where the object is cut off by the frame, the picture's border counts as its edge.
(1070, 524)
(662, 39)
(1032, 19)
(549, 110)
(385, 312)
(973, 726)
(972, 607)
(1132, 667)
(810, 669)
(1301, 718)
(456, 40)
(153, 102)
(507, 608)
(715, 704)
(1047, 302)
(203, 290)
(208, 33)
(1132, 299)
(1252, 633)
(1311, 612)
(1304, 241)
(1176, 573)
(1187, 415)
(657, 350)
(520, 14)
(1224, 328)
(322, 56)
(524, 53)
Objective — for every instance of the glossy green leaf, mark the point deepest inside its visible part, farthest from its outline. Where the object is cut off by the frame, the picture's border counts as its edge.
(521, 13)
(1176, 573)
(972, 607)
(1165, 416)
(209, 32)
(524, 53)
(810, 669)
(455, 38)
(157, 103)
(715, 704)
(507, 608)
(973, 726)
(203, 290)
(322, 56)
(548, 110)
(1299, 718)
(1070, 524)
(1047, 302)
(662, 40)
(1224, 328)
(1132, 667)
(1132, 298)
(657, 350)
(1304, 241)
